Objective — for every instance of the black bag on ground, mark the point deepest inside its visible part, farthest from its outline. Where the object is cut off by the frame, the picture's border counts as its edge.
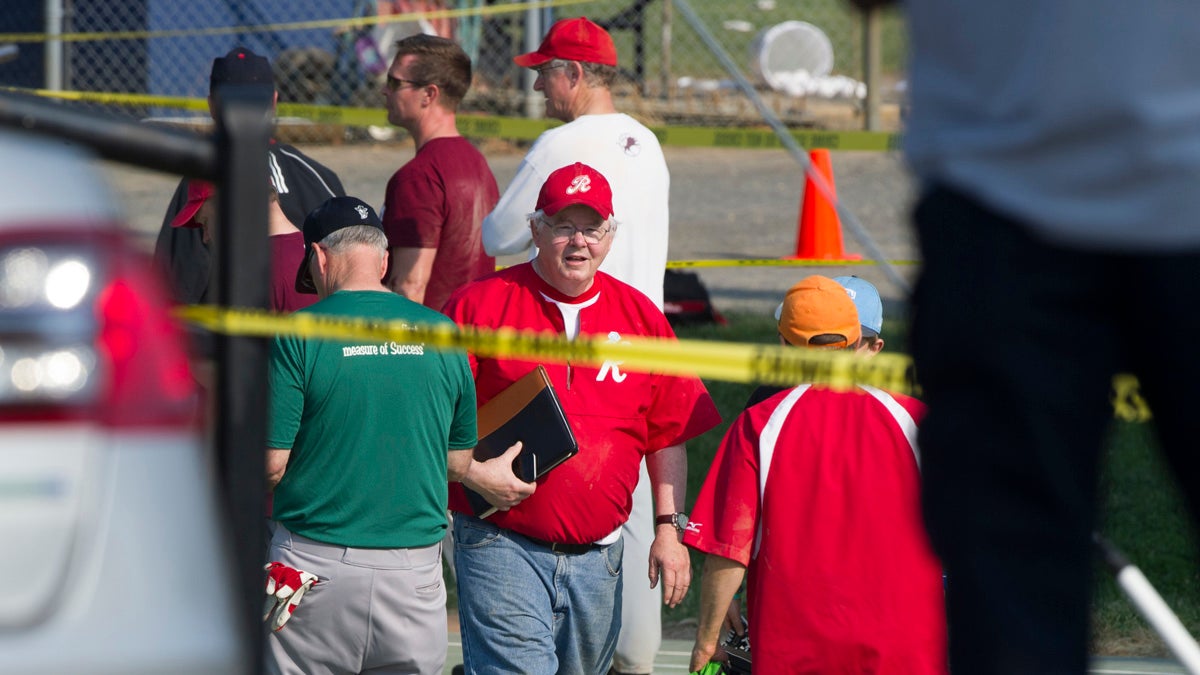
(686, 301)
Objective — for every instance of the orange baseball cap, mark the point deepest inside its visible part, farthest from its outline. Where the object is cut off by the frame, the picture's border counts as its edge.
(572, 40)
(819, 305)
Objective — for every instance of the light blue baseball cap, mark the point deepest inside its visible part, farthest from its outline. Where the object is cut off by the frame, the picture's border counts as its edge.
(866, 299)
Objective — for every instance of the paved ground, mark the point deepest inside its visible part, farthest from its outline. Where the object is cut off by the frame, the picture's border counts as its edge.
(725, 204)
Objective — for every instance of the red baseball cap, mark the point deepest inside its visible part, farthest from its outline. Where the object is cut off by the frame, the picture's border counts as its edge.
(572, 40)
(198, 192)
(576, 184)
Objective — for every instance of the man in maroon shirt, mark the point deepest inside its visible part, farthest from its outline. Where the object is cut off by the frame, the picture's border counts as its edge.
(436, 202)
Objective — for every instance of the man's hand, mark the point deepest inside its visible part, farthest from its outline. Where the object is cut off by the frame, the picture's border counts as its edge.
(669, 561)
(495, 481)
(702, 654)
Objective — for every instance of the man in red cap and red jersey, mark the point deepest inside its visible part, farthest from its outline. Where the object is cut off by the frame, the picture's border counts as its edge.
(576, 65)
(817, 493)
(539, 584)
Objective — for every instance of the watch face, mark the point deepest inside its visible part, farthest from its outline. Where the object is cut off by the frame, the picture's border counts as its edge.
(680, 521)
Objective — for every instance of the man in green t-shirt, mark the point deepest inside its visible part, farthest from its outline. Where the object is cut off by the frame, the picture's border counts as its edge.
(362, 438)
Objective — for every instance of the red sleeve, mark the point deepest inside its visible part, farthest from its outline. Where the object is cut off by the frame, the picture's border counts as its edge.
(414, 209)
(681, 408)
(724, 517)
(457, 308)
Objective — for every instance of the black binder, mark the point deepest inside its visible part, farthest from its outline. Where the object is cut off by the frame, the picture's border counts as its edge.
(528, 411)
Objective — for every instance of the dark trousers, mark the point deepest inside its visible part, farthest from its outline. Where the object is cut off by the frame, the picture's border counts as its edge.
(1015, 342)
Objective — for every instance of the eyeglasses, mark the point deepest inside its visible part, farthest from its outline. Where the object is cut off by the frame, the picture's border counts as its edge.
(566, 230)
(395, 83)
(541, 70)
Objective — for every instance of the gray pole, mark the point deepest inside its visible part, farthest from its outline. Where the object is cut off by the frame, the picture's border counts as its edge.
(533, 38)
(872, 43)
(665, 53)
(54, 46)
(785, 137)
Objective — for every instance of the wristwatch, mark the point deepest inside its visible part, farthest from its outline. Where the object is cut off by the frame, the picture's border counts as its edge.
(678, 520)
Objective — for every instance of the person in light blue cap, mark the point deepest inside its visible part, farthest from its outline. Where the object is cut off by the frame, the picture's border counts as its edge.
(870, 312)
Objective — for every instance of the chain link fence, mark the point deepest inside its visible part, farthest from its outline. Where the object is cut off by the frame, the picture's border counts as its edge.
(335, 52)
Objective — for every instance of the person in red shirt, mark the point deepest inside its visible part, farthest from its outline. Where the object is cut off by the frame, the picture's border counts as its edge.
(539, 584)
(435, 204)
(816, 493)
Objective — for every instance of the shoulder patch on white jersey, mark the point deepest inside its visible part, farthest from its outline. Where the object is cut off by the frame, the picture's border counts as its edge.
(630, 145)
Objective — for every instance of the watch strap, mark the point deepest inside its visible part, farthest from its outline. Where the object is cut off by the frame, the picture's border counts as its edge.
(673, 519)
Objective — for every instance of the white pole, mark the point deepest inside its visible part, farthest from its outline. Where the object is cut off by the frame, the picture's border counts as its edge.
(54, 46)
(1156, 612)
(1151, 606)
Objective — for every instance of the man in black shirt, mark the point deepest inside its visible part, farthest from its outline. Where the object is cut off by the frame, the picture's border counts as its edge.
(301, 182)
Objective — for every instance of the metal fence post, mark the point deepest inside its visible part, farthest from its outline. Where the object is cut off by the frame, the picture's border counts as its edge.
(872, 46)
(533, 38)
(668, 91)
(53, 50)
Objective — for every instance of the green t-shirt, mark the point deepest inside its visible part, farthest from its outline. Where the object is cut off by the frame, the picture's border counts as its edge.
(369, 425)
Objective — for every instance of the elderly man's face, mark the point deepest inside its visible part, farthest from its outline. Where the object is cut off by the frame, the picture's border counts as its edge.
(557, 81)
(568, 260)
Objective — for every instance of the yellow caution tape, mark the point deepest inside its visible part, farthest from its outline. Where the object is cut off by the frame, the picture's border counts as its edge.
(780, 262)
(1127, 399)
(352, 22)
(510, 128)
(716, 137)
(725, 361)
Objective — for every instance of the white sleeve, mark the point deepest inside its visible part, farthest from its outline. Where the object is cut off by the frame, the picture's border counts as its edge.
(505, 229)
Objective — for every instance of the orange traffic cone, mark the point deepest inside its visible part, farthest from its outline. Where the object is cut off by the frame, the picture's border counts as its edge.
(819, 233)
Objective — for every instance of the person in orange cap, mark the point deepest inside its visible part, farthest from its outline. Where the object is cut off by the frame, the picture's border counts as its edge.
(816, 494)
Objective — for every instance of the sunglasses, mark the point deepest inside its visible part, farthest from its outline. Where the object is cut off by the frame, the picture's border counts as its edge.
(395, 83)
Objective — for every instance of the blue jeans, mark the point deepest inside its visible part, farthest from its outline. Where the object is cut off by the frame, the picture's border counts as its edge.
(525, 609)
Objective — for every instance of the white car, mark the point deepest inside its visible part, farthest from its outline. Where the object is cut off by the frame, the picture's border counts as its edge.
(113, 555)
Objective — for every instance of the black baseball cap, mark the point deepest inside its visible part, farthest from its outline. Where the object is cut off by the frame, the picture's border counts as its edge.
(336, 213)
(240, 66)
